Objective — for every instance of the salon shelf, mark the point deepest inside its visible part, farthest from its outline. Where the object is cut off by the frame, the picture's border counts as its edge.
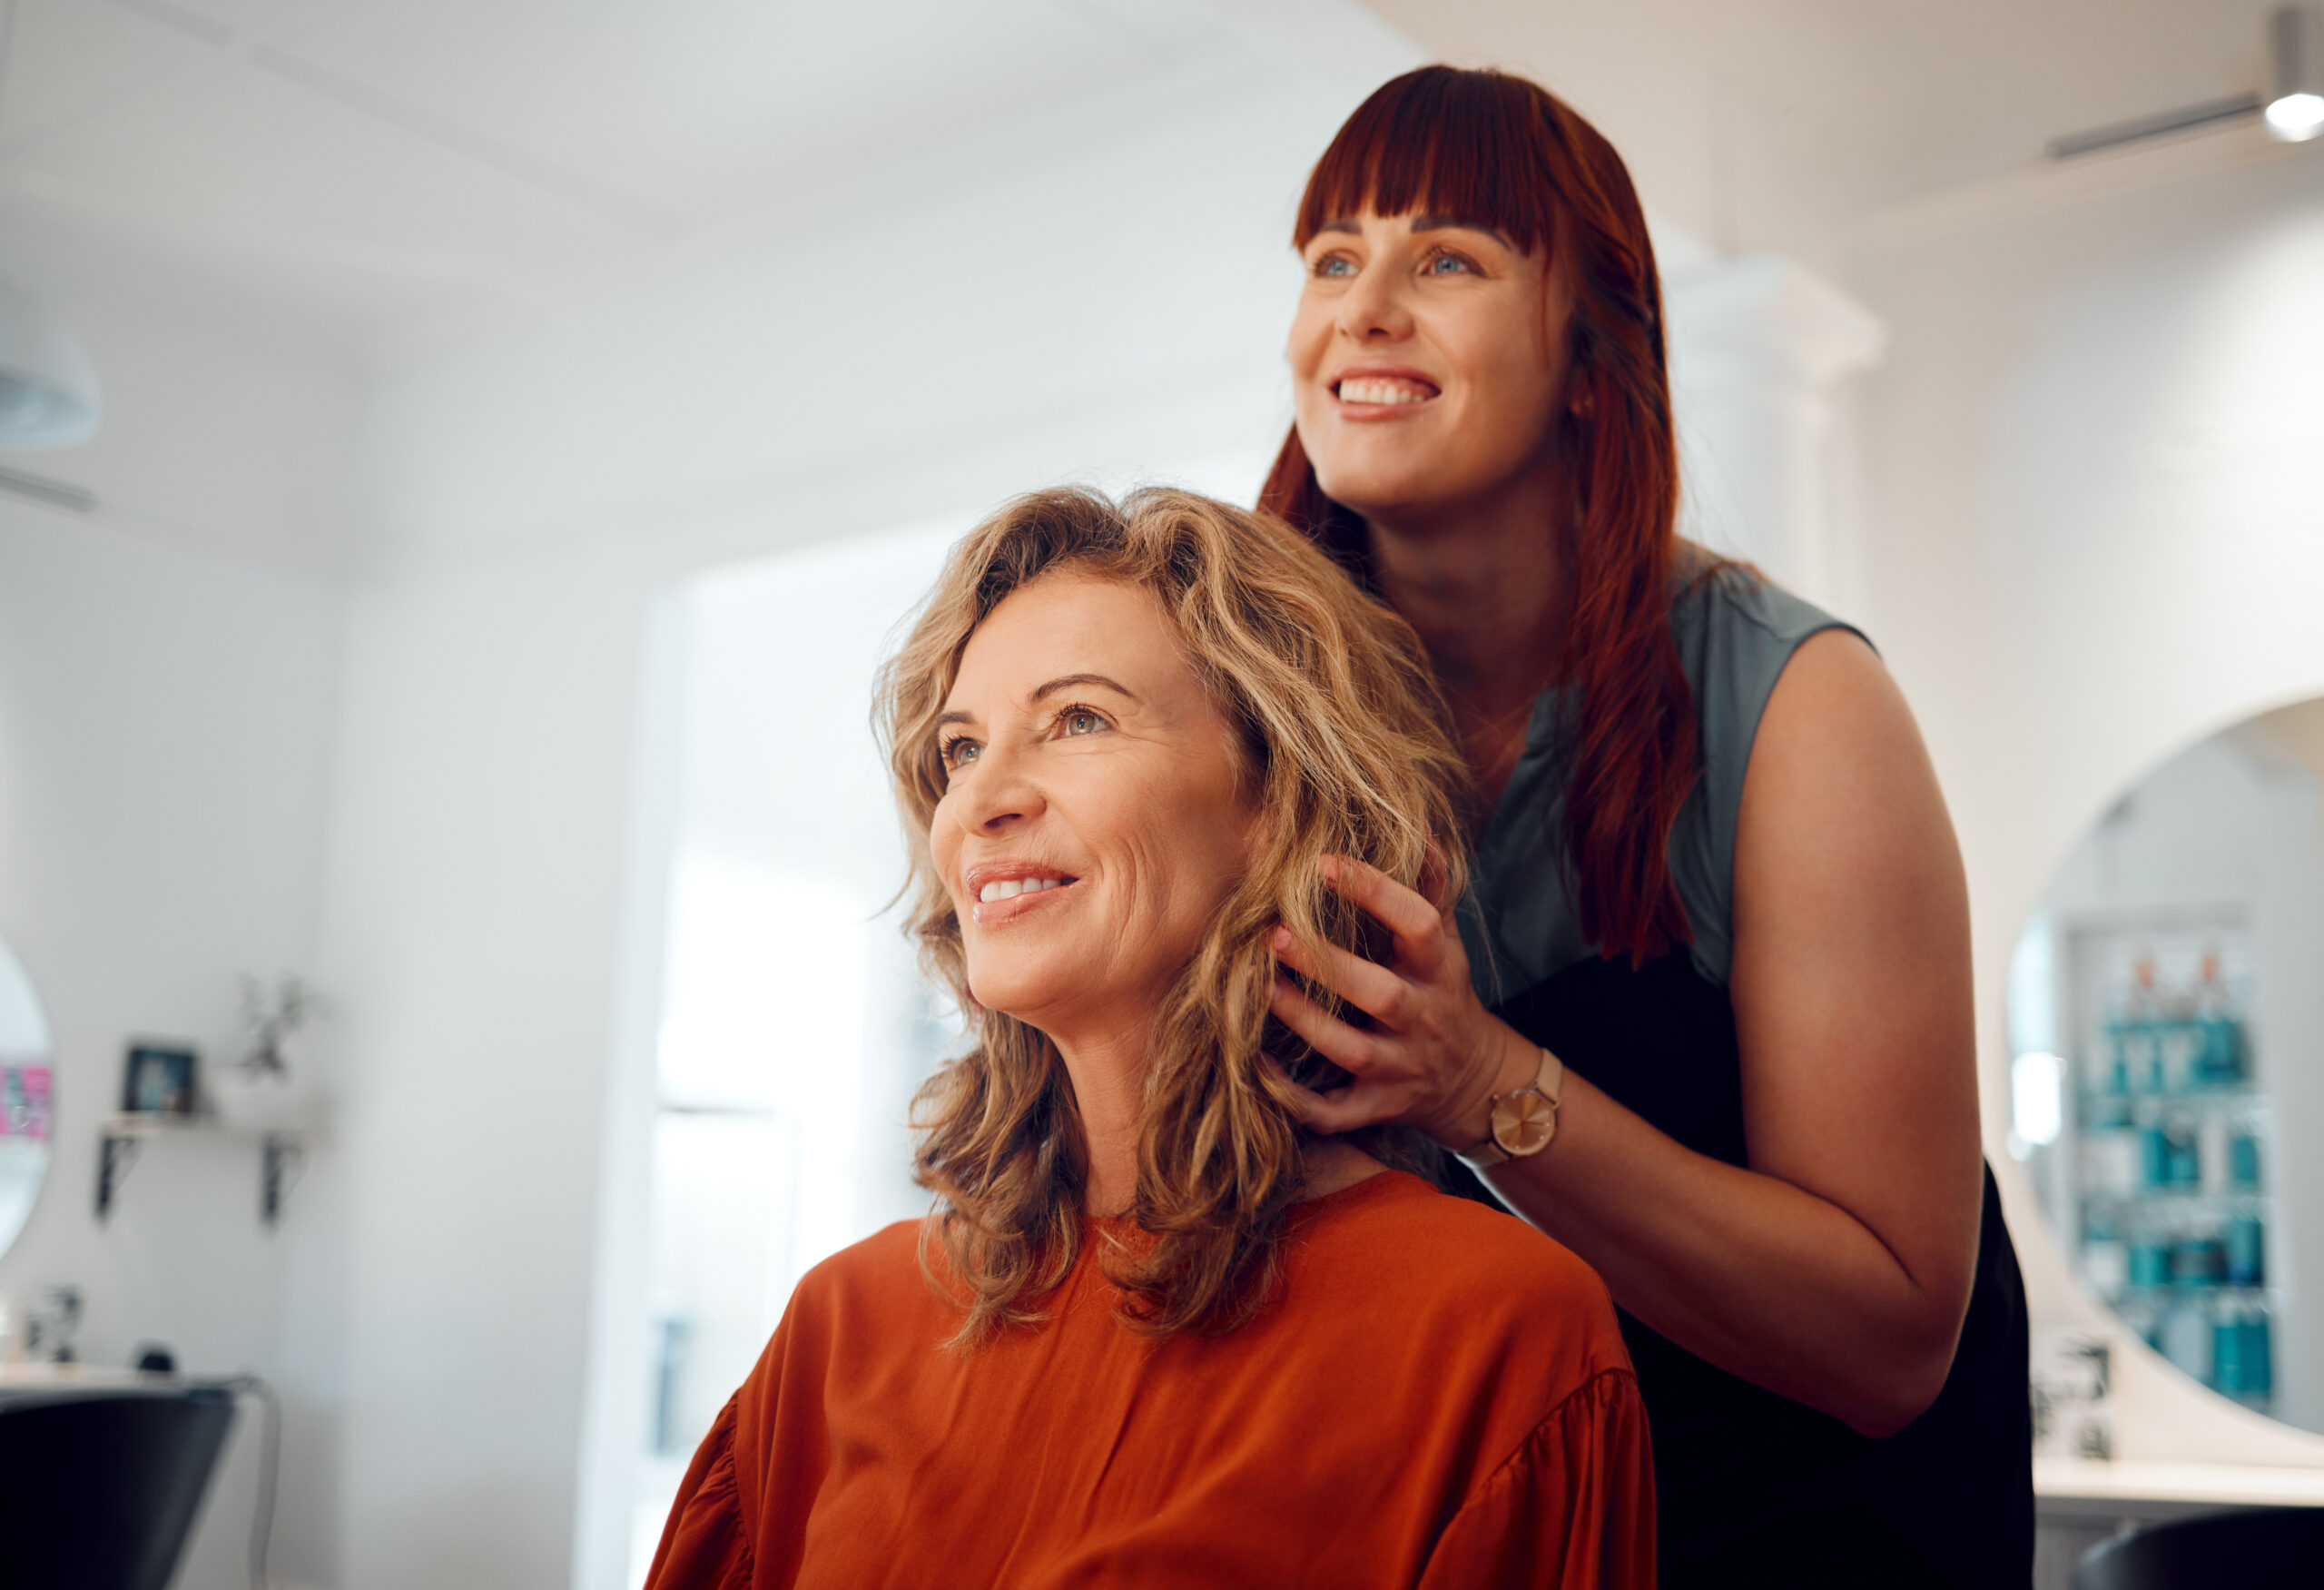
(2184, 1291)
(280, 1150)
(2245, 1091)
(2168, 1202)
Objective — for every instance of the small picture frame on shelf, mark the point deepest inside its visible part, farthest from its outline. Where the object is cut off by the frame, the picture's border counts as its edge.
(161, 1079)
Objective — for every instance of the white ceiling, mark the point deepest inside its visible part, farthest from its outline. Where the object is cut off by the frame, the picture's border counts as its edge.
(364, 157)
(1782, 124)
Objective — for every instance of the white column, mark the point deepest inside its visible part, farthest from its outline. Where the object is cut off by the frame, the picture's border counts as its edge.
(1760, 350)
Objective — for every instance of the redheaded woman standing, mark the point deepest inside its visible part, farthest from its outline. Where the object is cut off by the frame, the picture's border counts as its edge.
(1707, 1017)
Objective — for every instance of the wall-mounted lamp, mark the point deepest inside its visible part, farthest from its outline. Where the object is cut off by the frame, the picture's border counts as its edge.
(2292, 107)
(2295, 110)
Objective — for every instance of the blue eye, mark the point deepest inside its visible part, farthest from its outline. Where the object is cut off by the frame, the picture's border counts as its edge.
(1337, 265)
(957, 752)
(1080, 720)
(1446, 264)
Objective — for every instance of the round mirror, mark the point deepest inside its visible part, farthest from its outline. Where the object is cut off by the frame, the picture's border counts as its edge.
(25, 1096)
(2166, 1013)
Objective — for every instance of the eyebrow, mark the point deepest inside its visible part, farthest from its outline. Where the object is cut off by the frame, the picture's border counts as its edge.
(1067, 681)
(1062, 682)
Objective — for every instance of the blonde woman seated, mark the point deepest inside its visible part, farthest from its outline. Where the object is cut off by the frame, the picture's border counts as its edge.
(1154, 1333)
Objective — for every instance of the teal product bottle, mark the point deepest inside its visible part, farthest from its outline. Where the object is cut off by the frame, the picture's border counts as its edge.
(2150, 1263)
(2182, 1162)
(2154, 1156)
(2246, 1251)
(2259, 1371)
(2219, 1048)
(2143, 1034)
(2229, 1338)
(2111, 1105)
(2243, 1160)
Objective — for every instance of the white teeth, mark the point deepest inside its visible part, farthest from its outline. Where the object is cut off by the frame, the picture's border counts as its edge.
(1010, 888)
(1373, 390)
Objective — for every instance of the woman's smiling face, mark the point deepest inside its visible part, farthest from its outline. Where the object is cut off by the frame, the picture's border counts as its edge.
(1428, 361)
(1095, 814)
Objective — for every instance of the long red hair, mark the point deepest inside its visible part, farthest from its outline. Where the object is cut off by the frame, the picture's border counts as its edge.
(1489, 147)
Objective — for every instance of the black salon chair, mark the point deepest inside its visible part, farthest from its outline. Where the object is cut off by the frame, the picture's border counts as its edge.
(2258, 1550)
(99, 1487)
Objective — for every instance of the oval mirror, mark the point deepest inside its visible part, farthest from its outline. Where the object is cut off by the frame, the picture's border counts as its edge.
(2166, 1015)
(26, 1097)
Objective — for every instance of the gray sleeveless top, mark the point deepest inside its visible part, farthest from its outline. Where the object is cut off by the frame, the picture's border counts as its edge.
(1735, 632)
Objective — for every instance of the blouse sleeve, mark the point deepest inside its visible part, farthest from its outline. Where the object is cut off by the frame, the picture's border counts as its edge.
(1573, 1507)
(705, 1544)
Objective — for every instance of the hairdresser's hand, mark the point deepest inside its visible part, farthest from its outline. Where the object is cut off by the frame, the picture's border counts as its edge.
(1437, 1056)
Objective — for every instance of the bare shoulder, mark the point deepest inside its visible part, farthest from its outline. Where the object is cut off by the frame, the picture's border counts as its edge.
(1835, 703)
(1840, 798)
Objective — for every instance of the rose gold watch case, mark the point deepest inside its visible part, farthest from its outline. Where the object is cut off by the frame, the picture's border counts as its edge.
(1523, 1122)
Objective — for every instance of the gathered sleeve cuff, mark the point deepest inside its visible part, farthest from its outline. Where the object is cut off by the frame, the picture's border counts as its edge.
(1573, 1507)
(706, 1544)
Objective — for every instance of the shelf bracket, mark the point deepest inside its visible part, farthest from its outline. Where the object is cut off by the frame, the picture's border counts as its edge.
(281, 1153)
(116, 1152)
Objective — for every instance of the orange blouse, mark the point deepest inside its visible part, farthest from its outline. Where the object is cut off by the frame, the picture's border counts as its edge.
(1438, 1396)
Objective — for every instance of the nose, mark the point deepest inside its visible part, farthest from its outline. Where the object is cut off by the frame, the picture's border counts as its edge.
(994, 793)
(1373, 309)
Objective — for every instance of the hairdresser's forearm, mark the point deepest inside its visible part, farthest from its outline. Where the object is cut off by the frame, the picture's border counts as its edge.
(1772, 1283)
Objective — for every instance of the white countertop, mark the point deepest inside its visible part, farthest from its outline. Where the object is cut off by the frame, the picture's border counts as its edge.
(20, 1375)
(2226, 1484)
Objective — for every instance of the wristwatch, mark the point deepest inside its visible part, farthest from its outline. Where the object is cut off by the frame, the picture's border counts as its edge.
(1524, 1119)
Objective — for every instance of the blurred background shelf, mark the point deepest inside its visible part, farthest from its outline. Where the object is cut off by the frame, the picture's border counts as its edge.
(122, 1138)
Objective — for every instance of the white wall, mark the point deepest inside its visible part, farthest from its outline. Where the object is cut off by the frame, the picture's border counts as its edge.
(167, 683)
(2094, 532)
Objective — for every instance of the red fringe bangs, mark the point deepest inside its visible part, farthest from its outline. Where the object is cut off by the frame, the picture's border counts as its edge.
(1430, 144)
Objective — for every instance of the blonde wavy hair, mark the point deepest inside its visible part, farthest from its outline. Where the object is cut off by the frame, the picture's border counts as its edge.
(1344, 743)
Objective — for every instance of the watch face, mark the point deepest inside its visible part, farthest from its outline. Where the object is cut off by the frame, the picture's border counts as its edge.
(1522, 1122)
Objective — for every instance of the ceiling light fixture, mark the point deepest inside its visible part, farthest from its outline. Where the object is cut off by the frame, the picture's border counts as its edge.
(48, 390)
(2292, 108)
(2295, 111)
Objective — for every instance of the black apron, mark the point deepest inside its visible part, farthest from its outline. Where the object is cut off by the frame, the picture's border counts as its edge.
(1754, 1488)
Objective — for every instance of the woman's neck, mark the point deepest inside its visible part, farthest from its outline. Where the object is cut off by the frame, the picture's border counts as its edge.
(1108, 1070)
(1108, 1075)
(1484, 587)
